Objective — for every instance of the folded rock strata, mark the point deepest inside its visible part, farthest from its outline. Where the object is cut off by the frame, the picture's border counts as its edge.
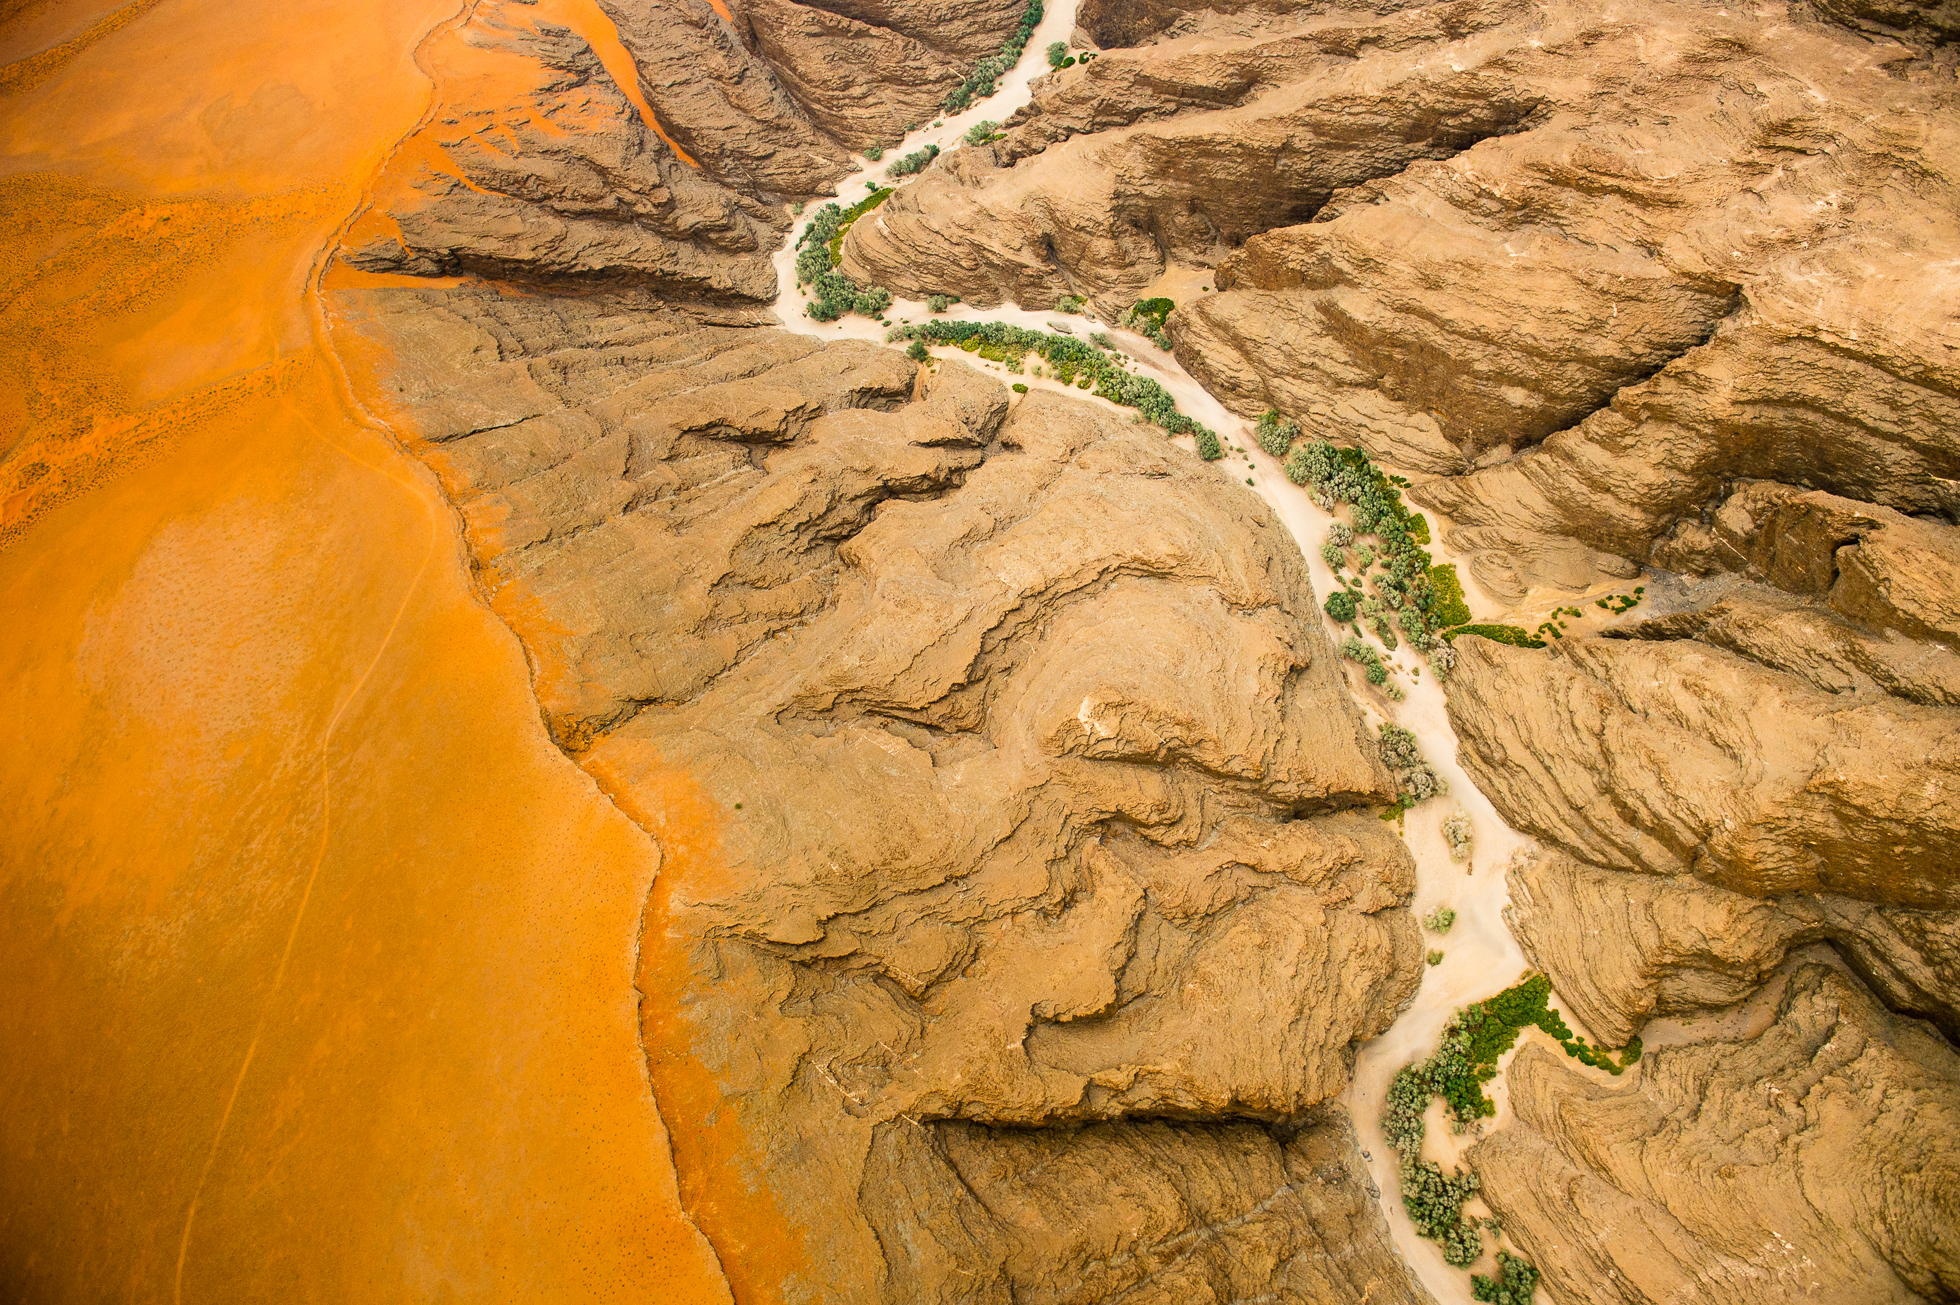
(1027, 760)
(1669, 289)
(1811, 1159)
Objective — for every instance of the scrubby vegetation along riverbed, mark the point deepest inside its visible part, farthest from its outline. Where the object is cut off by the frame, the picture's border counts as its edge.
(818, 248)
(1474, 1040)
(984, 80)
(1074, 362)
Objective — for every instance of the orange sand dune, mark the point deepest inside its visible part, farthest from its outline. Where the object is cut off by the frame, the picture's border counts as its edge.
(320, 958)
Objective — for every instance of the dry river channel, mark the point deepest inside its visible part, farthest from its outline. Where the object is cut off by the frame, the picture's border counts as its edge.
(1480, 956)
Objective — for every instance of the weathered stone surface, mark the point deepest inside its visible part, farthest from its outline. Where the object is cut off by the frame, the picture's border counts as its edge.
(1676, 757)
(1810, 1159)
(1624, 948)
(1028, 757)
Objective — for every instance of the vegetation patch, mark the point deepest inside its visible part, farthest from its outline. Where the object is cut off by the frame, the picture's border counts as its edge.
(907, 164)
(984, 80)
(1410, 596)
(1274, 432)
(1465, 1059)
(1149, 317)
(833, 293)
(1415, 780)
(981, 132)
(1085, 365)
(1507, 634)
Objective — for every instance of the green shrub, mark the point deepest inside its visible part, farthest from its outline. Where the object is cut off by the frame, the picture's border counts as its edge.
(1333, 554)
(1505, 634)
(1447, 606)
(1149, 318)
(1071, 304)
(1435, 957)
(816, 262)
(907, 165)
(940, 303)
(1275, 434)
(1018, 388)
(1057, 51)
(1075, 362)
(1340, 605)
(984, 80)
(1439, 920)
(981, 132)
(917, 351)
(1515, 1284)
(1457, 833)
(1358, 650)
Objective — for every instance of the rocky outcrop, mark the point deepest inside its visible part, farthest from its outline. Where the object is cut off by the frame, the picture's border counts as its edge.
(652, 144)
(1628, 948)
(1812, 1159)
(1025, 756)
(1546, 256)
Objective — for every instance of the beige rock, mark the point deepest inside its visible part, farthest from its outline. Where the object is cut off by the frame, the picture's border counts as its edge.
(1029, 759)
(1676, 757)
(1812, 1160)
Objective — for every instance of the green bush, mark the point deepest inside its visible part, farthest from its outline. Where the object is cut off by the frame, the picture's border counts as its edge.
(816, 262)
(1435, 957)
(1149, 317)
(1275, 434)
(1340, 605)
(1057, 51)
(1515, 1284)
(907, 165)
(1447, 605)
(874, 152)
(984, 80)
(1333, 554)
(981, 132)
(1018, 388)
(940, 303)
(1071, 304)
(1439, 920)
(1505, 634)
(1075, 362)
(917, 351)
(1358, 650)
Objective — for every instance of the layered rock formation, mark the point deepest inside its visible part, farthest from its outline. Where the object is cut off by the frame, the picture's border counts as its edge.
(1670, 289)
(1810, 1159)
(1028, 759)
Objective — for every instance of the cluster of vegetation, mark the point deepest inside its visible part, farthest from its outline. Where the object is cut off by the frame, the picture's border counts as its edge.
(984, 80)
(1415, 780)
(940, 303)
(1439, 920)
(1059, 57)
(1274, 433)
(1071, 304)
(1434, 957)
(874, 153)
(833, 293)
(1456, 833)
(1621, 604)
(1360, 650)
(1411, 594)
(1465, 1059)
(1083, 364)
(981, 132)
(1149, 318)
(1506, 634)
(1515, 1284)
(907, 164)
